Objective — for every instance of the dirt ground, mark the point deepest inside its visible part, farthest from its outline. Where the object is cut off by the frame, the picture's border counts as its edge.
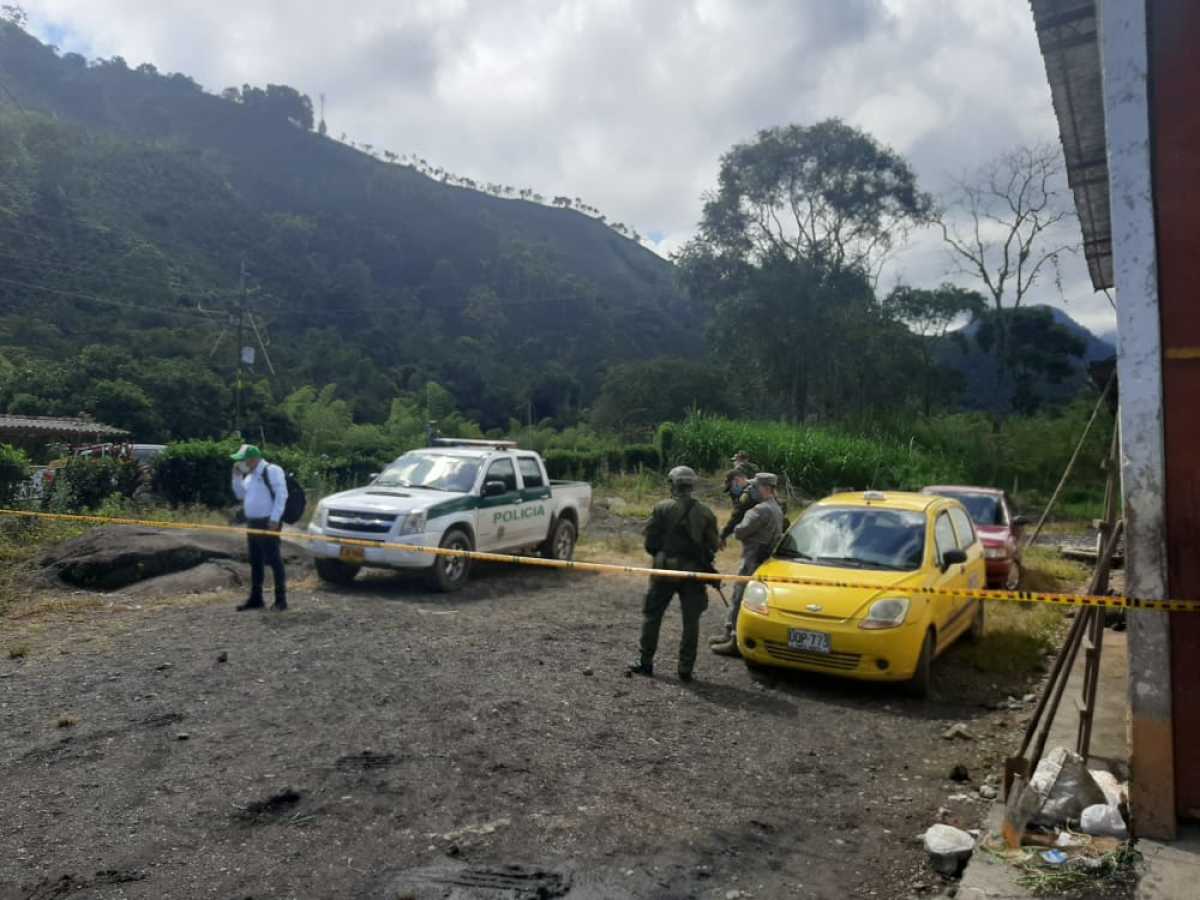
(379, 741)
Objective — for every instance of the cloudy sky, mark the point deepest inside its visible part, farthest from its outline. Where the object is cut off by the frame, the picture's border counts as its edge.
(626, 103)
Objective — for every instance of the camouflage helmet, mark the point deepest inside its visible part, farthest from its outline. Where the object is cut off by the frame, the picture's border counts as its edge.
(682, 476)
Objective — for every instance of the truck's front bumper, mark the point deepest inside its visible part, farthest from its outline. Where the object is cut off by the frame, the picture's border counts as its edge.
(383, 557)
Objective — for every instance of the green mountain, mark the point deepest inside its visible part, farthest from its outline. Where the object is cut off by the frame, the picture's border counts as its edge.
(129, 199)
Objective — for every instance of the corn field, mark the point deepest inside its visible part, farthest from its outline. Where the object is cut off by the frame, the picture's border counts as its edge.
(814, 460)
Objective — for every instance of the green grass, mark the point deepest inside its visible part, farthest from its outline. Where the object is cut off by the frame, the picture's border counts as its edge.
(1046, 570)
(1117, 872)
(639, 492)
(1017, 637)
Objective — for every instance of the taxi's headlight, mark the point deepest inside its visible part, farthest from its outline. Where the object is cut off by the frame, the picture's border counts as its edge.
(755, 597)
(888, 612)
(414, 523)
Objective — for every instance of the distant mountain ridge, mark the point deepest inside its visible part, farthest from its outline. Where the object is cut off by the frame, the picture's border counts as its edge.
(960, 351)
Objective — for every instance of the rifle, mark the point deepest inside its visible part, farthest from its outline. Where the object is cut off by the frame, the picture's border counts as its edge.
(715, 585)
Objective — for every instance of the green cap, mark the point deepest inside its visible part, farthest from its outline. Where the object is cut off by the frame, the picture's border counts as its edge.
(246, 451)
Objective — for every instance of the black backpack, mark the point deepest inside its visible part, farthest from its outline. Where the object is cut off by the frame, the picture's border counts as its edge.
(293, 507)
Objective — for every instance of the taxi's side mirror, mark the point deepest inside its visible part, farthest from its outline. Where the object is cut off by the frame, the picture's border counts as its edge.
(953, 558)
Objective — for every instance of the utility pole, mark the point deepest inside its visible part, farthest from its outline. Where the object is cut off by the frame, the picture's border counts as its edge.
(237, 422)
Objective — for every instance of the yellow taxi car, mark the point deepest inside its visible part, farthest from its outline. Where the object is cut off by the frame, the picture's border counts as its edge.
(874, 543)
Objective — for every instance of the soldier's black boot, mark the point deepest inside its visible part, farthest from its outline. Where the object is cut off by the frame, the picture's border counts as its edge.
(637, 667)
(250, 603)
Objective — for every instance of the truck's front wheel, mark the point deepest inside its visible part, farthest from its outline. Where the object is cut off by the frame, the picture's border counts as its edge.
(562, 541)
(449, 573)
(335, 571)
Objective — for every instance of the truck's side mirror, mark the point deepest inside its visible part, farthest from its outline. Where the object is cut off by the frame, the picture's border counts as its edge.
(494, 488)
(1020, 521)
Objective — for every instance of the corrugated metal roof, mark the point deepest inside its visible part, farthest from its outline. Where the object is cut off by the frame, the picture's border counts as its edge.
(1067, 34)
(56, 426)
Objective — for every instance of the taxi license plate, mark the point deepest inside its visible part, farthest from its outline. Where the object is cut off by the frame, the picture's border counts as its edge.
(352, 554)
(812, 641)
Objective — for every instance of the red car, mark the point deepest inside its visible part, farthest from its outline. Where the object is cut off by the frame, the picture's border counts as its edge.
(998, 528)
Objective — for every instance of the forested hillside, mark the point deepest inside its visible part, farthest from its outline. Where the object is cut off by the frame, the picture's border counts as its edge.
(140, 215)
(129, 198)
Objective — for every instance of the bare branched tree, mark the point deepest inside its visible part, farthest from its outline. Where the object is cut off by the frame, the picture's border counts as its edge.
(1007, 226)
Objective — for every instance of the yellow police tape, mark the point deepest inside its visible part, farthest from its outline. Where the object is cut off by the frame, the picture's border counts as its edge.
(1101, 600)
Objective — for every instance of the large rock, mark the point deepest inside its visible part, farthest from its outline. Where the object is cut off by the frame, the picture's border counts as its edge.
(207, 578)
(949, 848)
(114, 556)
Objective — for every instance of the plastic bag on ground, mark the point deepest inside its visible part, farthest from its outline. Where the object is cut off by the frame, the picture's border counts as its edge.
(1065, 788)
(1114, 791)
(1102, 820)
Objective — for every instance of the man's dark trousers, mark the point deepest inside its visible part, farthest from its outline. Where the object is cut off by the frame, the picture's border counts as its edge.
(693, 600)
(264, 551)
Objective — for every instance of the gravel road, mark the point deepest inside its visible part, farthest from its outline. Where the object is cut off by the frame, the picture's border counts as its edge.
(380, 741)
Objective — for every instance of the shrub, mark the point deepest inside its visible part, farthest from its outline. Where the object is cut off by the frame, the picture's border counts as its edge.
(664, 439)
(640, 456)
(85, 483)
(195, 472)
(583, 464)
(14, 471)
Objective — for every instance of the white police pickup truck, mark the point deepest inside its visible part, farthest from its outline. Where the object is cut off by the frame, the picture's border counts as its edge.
(465, 495)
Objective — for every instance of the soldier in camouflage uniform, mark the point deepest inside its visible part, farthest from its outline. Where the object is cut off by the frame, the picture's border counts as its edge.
(681, 534)
(737, 484)
(759, 530)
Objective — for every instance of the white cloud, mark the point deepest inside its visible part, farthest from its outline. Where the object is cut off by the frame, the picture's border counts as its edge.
(625, 103)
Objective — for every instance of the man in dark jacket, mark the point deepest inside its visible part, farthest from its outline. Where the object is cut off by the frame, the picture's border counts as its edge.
(681, 534)
(759, 531)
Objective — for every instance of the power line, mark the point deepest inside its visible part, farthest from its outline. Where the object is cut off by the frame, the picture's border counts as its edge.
(79, 295)
(74, 223)
(49, 268)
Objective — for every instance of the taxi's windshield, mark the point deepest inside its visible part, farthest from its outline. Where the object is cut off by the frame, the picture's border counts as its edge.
(857, 538)
(432, 471)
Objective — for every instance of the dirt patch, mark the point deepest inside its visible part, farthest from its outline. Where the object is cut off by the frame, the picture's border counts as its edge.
(380, 736)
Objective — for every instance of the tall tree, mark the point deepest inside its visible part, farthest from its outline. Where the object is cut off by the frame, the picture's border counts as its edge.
(1007, 225)
(788, 249)
(828, 193)
(929, 315)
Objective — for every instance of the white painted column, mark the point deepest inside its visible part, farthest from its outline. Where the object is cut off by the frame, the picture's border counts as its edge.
(1125, 64)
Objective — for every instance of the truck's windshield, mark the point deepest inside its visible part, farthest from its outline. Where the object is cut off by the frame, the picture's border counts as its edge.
(434, 471)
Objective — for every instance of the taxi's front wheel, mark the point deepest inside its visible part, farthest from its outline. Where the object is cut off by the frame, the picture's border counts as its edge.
(922, 681)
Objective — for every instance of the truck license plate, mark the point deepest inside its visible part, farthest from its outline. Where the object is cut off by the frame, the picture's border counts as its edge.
(812, 641)
(352, 554)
